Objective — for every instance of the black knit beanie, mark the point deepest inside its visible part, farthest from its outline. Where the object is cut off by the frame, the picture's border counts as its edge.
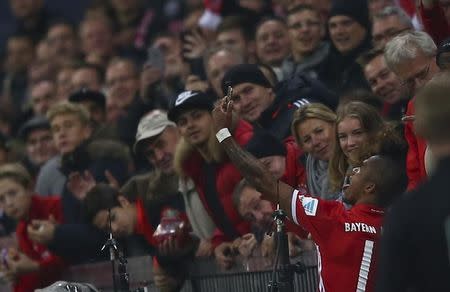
(244, 73)
(356, 9)
(264, 144)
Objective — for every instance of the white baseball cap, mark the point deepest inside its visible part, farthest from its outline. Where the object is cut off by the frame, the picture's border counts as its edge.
(151, 125)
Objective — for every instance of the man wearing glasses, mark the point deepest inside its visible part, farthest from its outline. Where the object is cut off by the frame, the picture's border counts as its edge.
(412, 57)
(388, 23)
(306, 31)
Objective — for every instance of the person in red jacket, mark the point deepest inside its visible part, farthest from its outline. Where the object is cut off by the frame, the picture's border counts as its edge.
(347, 240)
(32, 265)
(411, 56)
(200, 157)
(282, 159)
(433, 14)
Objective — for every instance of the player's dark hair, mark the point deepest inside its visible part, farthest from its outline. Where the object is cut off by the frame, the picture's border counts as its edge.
(389, 177)
(101, 197)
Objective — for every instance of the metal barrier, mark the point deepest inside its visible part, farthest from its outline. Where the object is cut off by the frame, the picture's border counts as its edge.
(204, 275)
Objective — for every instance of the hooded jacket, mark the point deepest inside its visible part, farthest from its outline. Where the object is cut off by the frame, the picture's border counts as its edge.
(225, 175)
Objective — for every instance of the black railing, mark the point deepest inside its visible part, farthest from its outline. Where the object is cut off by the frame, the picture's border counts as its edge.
(250, 275)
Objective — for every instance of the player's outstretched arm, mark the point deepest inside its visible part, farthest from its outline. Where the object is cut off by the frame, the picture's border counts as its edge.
(250, 168)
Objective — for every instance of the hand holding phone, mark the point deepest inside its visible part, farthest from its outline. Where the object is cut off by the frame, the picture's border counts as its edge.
(155, 59)
(229, 95)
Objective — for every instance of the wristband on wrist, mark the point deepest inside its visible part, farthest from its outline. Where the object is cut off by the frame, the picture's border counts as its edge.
(222, 134)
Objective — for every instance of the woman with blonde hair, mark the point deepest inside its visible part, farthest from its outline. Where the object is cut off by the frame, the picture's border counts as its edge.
(313, 127)
(360, 133)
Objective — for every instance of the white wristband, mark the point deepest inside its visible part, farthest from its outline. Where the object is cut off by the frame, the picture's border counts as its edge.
(223, 134)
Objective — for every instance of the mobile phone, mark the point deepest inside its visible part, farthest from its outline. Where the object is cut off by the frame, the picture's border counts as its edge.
(155, 58)
(229, 95)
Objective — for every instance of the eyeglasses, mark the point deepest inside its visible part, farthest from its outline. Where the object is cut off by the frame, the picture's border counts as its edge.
(305, 24)
(388, 34)
(420, 76)
(406, 119)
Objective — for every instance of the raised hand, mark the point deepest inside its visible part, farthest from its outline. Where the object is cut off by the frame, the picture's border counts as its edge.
(194, 45)
(222, 114)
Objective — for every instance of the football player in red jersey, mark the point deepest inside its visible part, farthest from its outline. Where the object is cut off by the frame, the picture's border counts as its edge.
(347, 240)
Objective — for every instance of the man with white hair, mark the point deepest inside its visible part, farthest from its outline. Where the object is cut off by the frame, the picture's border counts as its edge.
(416, 235)
(411, 56)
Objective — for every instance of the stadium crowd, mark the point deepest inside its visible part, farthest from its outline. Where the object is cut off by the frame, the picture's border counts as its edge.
(206, 114)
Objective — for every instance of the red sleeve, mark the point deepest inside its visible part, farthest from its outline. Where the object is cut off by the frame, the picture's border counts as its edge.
(434, 22)
(408, 6)
(315, 215)
(243, 132)
(413, 167)
(295, 173)
(296, 229)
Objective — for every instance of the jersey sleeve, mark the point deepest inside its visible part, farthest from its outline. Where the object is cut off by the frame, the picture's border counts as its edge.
(317, 216)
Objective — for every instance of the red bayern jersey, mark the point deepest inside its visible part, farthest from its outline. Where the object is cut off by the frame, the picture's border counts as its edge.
(347, 241)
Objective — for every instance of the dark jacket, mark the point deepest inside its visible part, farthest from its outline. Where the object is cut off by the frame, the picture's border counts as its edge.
(291, 94)
(97, 157)
(154, 193)
(416, 241)
(340, 73)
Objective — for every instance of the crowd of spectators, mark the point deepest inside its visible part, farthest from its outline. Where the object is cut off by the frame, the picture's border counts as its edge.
(109, 125)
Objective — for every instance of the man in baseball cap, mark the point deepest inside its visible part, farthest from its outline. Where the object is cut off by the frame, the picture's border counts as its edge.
(188, 100)
(156, 139)
(39, 144)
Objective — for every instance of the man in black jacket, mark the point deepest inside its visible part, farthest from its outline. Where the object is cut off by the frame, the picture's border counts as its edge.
(257, 101)
(349, 29)
(415, 252)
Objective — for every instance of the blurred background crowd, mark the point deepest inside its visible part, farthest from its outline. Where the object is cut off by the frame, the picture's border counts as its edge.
(106, 125)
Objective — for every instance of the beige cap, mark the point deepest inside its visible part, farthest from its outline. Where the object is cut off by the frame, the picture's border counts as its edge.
(151, 125)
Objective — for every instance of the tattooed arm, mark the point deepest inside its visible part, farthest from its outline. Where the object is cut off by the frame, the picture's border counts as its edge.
(253, 170)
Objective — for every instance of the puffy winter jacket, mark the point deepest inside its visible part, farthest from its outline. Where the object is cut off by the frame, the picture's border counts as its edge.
(220, 204)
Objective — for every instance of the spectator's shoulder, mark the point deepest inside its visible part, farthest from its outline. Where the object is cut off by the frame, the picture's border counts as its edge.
(139, 184)
(51, 165)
